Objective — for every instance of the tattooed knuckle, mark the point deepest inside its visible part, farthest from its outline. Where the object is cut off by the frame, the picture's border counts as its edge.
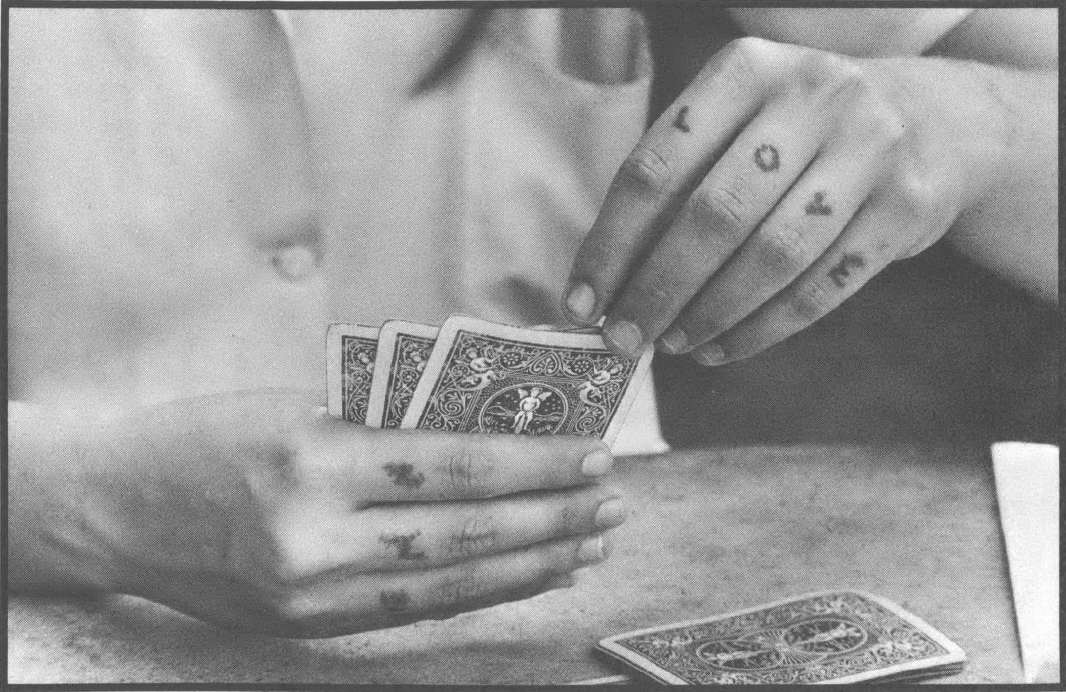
(395, 603)
(645, 170)
(566, 519)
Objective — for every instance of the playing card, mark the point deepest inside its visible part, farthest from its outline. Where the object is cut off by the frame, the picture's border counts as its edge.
(488, 377)
(403, 351)
(837, 637)
(350, 351)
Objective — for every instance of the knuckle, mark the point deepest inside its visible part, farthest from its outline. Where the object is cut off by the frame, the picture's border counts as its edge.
(649, 297)
(646, 170)
(722, 209)
(830, 73)
(812, 302)
(291, 565)
(465, 585)
(476, 535)
(747, 62)
(471, 471)
(750, 51)
(783, 250)
(879, 119)
(291, 557)
(886, 123)
(918, 194)
(296, 614)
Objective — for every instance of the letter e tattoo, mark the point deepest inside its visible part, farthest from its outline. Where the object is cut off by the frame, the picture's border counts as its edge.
(842, 270)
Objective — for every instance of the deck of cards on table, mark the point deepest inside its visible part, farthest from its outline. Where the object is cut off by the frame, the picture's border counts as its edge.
(472, 375)
(825, 637)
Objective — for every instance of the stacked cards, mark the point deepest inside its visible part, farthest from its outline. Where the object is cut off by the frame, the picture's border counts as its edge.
(826, 637)
(472, 375)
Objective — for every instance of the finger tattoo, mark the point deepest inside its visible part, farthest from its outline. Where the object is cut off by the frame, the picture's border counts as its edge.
(680, 122)
(818, 206)
(403, 474)
(395, 601)
(404, 544)
(842, 270)
(767, 158)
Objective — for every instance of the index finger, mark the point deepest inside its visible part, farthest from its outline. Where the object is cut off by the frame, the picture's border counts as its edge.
(371, 465)
(664, 166)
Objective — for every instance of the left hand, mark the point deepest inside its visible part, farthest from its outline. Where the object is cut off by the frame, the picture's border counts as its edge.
(776, 185)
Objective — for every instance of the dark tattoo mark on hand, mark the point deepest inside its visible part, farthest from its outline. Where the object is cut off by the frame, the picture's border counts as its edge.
(680, 122)
(767, 158)
(818, 207)
(403, 543)
(843, 269)
(395, 601)
(403, 474)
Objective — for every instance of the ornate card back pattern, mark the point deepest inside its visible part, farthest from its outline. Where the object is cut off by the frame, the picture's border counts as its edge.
(825, 637)
(357, 371)
(408, 363)
(499, 385)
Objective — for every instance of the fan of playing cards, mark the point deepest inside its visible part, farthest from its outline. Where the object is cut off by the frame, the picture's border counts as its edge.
(472, 375)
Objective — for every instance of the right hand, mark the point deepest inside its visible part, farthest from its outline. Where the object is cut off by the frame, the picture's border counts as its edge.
(259, 512)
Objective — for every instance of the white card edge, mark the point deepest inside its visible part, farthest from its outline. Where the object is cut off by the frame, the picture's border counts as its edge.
(390, 329)
(642, 665)
(445, 336)
(641, 371)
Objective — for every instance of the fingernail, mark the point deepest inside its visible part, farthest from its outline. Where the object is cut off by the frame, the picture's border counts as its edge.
(625, 336)
(591, 551)
(673, 341)
(611, 513)
(559, 581)
(709, 354)
(596, 463)
(581, 301)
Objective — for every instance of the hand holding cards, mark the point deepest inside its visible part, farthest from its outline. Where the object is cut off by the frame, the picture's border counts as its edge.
(479, 376)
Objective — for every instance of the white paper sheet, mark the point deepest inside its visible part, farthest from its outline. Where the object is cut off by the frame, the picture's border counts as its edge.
(1027, 484)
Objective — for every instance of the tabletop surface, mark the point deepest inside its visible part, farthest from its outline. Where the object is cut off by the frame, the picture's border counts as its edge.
(710, 531)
